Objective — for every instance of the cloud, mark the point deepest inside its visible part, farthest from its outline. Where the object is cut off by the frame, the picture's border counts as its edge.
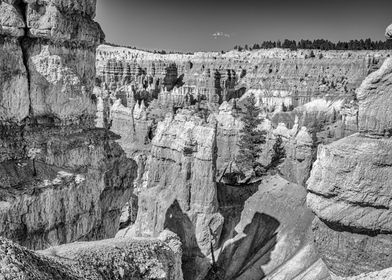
(217, 35)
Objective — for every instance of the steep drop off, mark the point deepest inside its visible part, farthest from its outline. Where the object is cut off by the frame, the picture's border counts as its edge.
(61, 179)
(349, 188)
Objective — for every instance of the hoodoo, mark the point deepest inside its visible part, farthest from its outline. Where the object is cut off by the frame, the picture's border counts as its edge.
(349, 188)
(271, 162)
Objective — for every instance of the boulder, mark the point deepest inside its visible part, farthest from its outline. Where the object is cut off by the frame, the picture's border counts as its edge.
(100, 260)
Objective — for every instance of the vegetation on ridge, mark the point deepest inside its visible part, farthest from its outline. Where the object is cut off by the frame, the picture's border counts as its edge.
(321, 44)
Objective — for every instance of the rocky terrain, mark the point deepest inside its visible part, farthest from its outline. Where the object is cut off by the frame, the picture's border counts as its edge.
(127, 172)
(98, 260)
(179, 117)
(349, 189)
(61, 179)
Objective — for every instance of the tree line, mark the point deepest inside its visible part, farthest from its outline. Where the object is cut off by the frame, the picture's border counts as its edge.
(321, 44)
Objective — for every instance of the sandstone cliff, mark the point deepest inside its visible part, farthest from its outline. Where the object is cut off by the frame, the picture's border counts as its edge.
(99, 260)
(349, 188)
(61, 180)
(272, 236)
(278, 76)
(179, 189)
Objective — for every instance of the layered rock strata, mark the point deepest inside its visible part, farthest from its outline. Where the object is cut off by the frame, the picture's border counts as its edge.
(348, 191)
(278, 76)
(349, 188)
(179, 189)
(99, 260)
(266, 242)
(61, 179)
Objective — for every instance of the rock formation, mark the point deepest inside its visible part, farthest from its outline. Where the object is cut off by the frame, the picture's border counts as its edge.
(278, 76)
(99, 260)
(267, 243)
(349, 188)
(298, 148)
(61, 179)
(388, 32)
(179, 189)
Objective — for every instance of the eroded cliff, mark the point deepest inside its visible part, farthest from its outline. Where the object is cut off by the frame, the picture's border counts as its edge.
(61, 179)
(98, 260)
(349, 188)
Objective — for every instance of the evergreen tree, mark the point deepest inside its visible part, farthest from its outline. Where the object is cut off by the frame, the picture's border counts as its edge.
(250, 140)
(279, 153)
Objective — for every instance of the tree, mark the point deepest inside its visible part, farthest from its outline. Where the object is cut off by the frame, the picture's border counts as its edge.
(251, 138)
(279, 153)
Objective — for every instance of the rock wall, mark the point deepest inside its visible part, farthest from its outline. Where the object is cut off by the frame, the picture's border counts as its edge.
(298, 151)
(179, 189)
(99, 260)
(272, 234)
(349, 188)
(61, 179)
(349, 194)
(278, 76)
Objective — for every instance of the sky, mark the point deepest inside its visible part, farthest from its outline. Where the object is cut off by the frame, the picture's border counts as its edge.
(214, 25)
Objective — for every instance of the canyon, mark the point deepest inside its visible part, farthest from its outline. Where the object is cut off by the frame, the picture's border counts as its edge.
(117, 163)
(162, 104)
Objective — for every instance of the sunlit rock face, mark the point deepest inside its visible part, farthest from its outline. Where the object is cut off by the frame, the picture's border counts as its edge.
(179, 189)
(100, 260)
(61, 179)
(374, 99)
(388, 32)
(14, 101)
(278, 76)
(349, 189)
(349, 193)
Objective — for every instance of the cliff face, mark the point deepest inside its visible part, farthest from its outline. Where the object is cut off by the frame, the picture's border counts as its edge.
(61, 180)
(278, 76)
(349, 188)
(179, 189)
(99, 260)
(267, 242)
(298, 151)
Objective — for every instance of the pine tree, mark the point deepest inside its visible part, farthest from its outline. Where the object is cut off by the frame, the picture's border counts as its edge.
(251, 139)
(279, 153)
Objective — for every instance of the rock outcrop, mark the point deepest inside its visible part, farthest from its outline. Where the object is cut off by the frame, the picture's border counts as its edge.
(267, 242)
(349, 188)
(388, 32)
(278, 76)
(374, 99)
(179, 190)
(348, 191)
(61, 179)
(298, 150)
(99, 260)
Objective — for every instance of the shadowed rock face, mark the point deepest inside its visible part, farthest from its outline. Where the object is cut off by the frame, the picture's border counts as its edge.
(99, 260)
(266, 242)
(83, 179)
(349, 188)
